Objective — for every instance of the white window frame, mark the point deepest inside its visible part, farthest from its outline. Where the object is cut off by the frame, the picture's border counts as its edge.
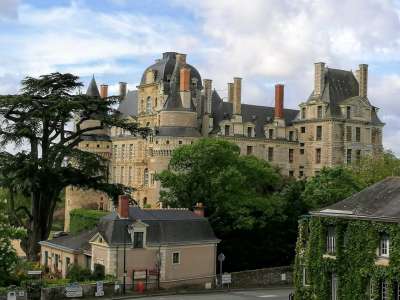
(179, 258)
(331, 240)
(384, 290)
(384, 246)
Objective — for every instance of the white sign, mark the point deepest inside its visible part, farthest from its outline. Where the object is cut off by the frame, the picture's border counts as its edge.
(226, 278)
(34, 272)
(283, 276)
(12, 296)
(73, 290)
(99, 289)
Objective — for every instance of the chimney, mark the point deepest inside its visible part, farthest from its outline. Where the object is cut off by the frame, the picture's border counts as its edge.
(207, 92)
(180, 58)
(319, 78)
(122, 90)
(103, 91)
(198, 209)
(184, 86)
(123, 207)
(279, 96)
(363, 80)
(230, 92)
(237, 96)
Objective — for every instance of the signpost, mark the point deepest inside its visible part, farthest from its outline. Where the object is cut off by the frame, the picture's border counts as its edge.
(226, 279)
(74, 290)
(221, 258)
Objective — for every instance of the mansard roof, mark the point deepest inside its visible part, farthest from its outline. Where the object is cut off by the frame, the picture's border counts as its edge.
(92, 88)
(71, 243)
(129, 105)
(380, 201)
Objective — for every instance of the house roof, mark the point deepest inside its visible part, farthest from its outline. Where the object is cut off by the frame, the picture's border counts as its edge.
(71, 243)
(380, 201)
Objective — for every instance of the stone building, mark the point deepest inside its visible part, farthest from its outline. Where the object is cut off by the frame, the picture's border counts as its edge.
(336, 125)
(350, 250)
(175, 246)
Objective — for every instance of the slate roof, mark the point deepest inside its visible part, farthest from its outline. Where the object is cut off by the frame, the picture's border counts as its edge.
(177, 131)
(166, 226)
(71, 243)
(380, 201)
(129, 105)
(92, 88)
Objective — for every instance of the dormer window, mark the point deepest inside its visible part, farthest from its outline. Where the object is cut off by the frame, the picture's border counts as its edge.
(319, 112)
(138, 239)
(348, 112)
(384, 244)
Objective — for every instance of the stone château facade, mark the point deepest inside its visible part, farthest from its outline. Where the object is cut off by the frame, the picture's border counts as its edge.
(336, 125)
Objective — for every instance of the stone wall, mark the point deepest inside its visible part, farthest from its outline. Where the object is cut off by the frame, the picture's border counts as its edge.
(268, 277)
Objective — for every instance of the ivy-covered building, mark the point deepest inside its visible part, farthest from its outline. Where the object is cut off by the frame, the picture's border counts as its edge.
(351, 250)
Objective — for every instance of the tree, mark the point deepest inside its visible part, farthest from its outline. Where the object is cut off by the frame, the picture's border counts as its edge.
(330, 186)
(241, 197)
(41, 118)
(8, 257)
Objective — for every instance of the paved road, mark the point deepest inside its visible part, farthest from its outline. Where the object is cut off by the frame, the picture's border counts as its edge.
(281, 294)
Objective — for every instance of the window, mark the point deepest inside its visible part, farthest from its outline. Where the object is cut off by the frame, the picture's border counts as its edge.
(67, 262)
(302, 151)
(348, 156)
(301, 173)
(291, 151)
(148, 104)
(176, 258)
(122, 176)
(46, 258)
(334, 284)
(291, 135)
(384, 246)
(56, 261)
(180, 142)
(88, 261)
(384, 290)
(358, 155)
(270, 133)
(249, 131)
(249, 150)
(318, 155)
(331, 240)
(138, 240)
(131, 151)
(358, 134)
(319, 112)
(302, 129)
(319, 133)
(348, 134)
(227, 129)
(146, 177)
(348, 112)
(144, 201)
(123, 151)
(306, 279)
(101, 205)
(291, 173)
(303, 113)
(270, 154)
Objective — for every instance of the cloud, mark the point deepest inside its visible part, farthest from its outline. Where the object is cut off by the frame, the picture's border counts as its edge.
(8, 9)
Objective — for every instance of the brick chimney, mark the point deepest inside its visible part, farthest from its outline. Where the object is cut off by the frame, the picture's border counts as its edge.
(237, 96)
(103, 91)
(198, 209)
(184, 79)
(319, 78)
(122, 90)
(123, 207)
(363, 80)
(279, 96)
(207, 83)
(230, 92)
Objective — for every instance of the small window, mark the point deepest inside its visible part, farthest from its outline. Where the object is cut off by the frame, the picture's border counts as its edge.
(301, 173)
(303, 129)
(270, 133)
(144, 201)
(348, 112)
(348, 156)
(331, 240)
(291, 173)
(249, 150)
(348, 133)
(176, 258)
(67, 262)
(249, 131)
(291, 151)
(87, 145)
(319, 133)
(148, 104)
(270, 154)
(318, 155)
(319, 112)
(303, 113)
(146, 177)
(98, 146)
(384, 246)
(302, 151)
(138, 240)
(291, 135)
(180, 142)
(227, 130)
(358, 134)
(358, 155)
(46, 258)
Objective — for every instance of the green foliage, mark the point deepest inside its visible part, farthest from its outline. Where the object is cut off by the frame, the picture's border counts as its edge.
(76, 273)
(82, 219)
(98, 272)
(243, 200)
(354, 263)
(330, 186)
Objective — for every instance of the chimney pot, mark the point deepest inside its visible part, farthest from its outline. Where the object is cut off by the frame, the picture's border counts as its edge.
(279, 98)
(122, 90)
(199, 209)
(103, 91)
(123, 206)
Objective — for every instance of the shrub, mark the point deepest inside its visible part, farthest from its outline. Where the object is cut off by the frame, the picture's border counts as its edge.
(98, 272)
(77, 273)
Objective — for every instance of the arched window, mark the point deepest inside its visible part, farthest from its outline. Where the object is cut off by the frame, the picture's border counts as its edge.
(148, 104)
(146, 177)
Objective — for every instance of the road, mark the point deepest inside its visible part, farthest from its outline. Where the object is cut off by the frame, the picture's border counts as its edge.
(275, 294)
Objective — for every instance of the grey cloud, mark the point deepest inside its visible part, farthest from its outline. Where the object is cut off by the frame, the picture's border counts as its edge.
(9, 9)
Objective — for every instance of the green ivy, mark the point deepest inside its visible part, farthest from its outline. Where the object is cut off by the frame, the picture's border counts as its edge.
(354, 263)
(82, 219)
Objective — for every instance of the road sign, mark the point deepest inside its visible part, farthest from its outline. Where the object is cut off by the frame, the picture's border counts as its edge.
(221, 257)
(99, 289)
(226, 278)
(73, 290)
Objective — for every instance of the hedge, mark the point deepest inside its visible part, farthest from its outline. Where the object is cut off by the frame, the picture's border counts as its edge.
(81, 219)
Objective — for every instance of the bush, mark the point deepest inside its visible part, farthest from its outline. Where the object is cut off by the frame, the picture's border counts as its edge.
(76, 273)
(98, 272)
(82, 219)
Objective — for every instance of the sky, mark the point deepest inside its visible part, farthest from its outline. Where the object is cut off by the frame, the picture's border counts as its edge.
(263, 41)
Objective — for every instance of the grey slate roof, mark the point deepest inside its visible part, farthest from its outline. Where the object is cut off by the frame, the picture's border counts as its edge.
(379, 201)
(177, 131)
(92, 88)
(166, 226)
(129, 105)
(71, 243)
